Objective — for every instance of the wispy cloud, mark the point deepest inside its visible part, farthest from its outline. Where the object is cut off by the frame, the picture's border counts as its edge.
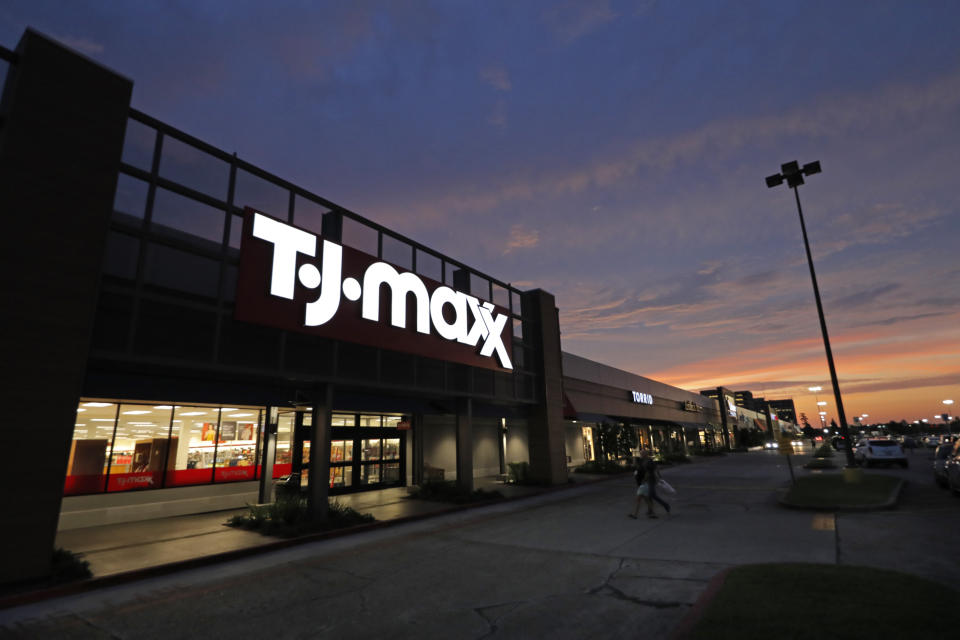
(879, 224)
(869, 296)
(829, 117)
(521, 238)
(496, 77)
(573, 19)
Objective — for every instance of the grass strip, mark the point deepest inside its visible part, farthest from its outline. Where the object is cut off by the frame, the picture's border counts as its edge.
(827, 601)
(830, 490)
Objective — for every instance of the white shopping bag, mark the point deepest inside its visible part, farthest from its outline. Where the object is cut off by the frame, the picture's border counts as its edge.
(664, 486)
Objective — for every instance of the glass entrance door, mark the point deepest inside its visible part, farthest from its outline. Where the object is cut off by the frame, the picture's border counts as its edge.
(367, 452)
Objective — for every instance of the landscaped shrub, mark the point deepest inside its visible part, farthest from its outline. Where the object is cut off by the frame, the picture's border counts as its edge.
(450, 491)
(288, 517)
(68, 566)
(824, 451)
(519, 472)
(602, 466)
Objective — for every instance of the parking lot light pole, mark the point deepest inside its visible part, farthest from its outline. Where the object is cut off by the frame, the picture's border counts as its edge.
(793, 174)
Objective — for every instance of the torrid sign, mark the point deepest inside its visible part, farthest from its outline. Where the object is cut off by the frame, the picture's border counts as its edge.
(291, 280)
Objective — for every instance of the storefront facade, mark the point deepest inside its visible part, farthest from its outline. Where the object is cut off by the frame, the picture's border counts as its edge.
(190, 328)
(611, 414)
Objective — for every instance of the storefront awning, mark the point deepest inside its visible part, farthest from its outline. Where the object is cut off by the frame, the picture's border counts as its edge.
(569, 411)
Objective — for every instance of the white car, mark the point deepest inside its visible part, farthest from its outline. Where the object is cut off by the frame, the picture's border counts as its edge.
(871, 451)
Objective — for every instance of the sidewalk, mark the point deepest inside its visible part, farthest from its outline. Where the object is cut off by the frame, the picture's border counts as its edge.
(120, 553)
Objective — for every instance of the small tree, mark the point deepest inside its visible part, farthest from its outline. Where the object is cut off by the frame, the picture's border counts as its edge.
(616, 441)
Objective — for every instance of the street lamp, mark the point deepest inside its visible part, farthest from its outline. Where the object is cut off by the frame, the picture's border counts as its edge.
(793, 174)
(816, 396)
(946, 417)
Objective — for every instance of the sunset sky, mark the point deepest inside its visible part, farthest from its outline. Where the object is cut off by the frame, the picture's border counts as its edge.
(613, 154)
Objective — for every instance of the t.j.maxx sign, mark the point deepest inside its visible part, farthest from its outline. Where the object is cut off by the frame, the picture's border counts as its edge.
(291, 279)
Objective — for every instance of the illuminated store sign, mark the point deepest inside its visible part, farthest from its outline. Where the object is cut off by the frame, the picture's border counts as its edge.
(731, 406)
(290, 280)
(641, 398)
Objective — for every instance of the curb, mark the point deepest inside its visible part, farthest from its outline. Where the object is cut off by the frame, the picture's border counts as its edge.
(95, 583)
(700, 606)
(889, 503)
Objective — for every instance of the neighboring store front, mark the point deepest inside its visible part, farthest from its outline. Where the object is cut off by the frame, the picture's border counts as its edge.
(612, 414)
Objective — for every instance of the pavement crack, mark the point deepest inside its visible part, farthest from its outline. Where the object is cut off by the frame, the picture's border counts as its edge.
(620, 595)
(491, 614)
(610, 576)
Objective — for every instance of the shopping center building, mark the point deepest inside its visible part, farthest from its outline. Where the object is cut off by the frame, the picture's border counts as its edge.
(182, 329)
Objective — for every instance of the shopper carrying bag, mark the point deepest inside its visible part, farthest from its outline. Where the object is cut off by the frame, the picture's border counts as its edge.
(663, 485)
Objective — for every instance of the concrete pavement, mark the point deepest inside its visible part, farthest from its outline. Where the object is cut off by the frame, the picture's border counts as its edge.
(565, 564)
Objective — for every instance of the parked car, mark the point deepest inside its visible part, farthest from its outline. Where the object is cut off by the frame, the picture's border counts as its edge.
(940, 457)
(871, 451)
(838, 443)
(953, 469)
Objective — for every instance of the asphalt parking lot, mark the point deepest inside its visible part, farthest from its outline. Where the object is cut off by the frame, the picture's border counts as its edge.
(567, 564)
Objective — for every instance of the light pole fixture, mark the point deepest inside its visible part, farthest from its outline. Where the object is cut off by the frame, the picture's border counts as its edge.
(815, 391)
(793, 174)
(948, 402)
(946, 419)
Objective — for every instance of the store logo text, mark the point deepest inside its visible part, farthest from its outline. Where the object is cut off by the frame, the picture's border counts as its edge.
(288, 242)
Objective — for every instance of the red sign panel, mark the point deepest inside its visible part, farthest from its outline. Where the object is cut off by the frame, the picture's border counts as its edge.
(283, 277)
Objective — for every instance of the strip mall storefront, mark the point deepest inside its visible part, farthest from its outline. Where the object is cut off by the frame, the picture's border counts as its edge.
(187, 328)
(611, 413)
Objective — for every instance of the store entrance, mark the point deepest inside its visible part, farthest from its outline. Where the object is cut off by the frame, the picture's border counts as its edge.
(367, 451)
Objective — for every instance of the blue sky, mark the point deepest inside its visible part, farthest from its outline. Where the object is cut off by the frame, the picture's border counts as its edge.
(612, 153)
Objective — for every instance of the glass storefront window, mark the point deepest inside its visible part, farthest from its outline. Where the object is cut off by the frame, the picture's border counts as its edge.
(237, 445)
(341, 451)
(370, 421)
(392, 422)
(283, 459)
(587, 434)
(305, 469)
(90, 448)
(342, 420)
(127, 446)
(341, 477)
(391, 472)
(391, 449)
(142, 447)
(195, 430)
(370, 449)
(370, 474)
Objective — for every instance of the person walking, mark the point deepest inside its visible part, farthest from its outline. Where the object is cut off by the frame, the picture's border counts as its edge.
(638, 474)
(650, 476)
(647, 475)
